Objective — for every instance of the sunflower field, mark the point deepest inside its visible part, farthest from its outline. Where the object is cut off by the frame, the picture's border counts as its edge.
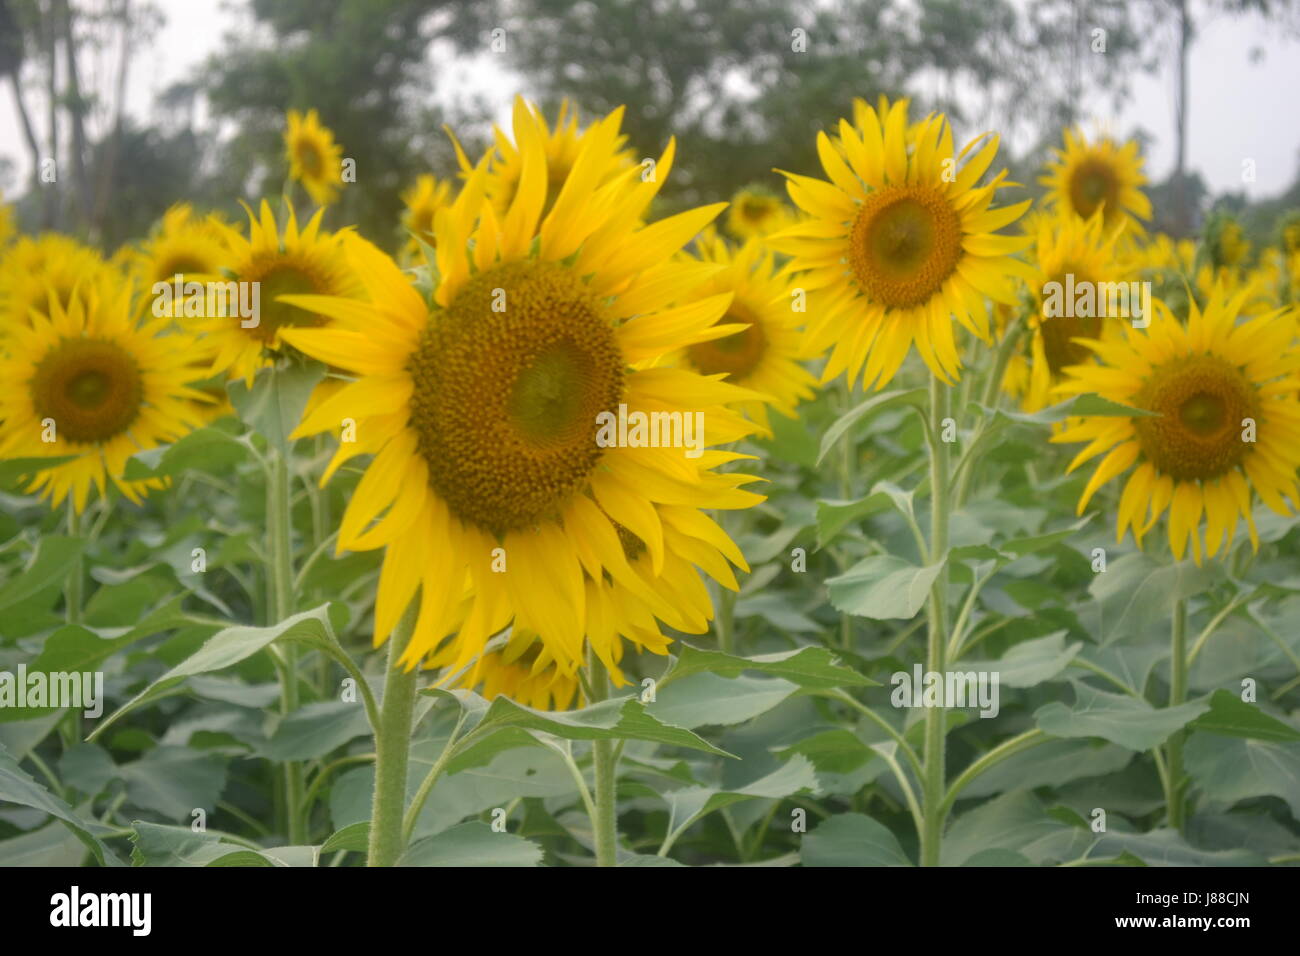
(889, 511)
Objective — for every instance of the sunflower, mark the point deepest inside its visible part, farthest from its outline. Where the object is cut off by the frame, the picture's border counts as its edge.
(184, 245)
(89, 382)
(525, 672)
(489, 413)
(1070, 254)
(423, 200)
(32, 268)
(899, 243)
(315, 160)
(1224, 420)
(309, 261)
(755, 212)
(1102, 175)
(764, 355)
(561, 143)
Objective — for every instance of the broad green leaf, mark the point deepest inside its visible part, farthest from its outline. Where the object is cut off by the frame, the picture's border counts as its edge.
(16, 786)
(851, 839)
(806, 666)
(227, 648)
(706, 700)
(1230, 716)
(1136, 594)
(354, 836)
(205, 449)
(1030, 662)
(1015, 821)
(472, 844)
(174, 781)
(883, 587)
(1118, 718)
(1167, 848)
(1228, 769)
(276, 401)
(159, 845)
(1051, 763)
(50, 564)
(615, 719)
(51, 845)
(690, 804)
(316, 729)
(915, 397)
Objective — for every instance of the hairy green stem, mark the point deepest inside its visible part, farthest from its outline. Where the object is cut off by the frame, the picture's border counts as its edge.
(72, 597)
(392, 749)
(605, 761)
(937, 637)
(1175, 785)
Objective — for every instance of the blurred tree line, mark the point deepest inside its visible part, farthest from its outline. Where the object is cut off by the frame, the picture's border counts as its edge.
(743, 84)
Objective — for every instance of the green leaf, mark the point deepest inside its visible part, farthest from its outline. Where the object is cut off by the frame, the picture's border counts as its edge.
(1136, 594)
(50, 564)
(690, 804)
(1030, 663)
(206, 449)
(706, 699)
(915, 397)
(1168, 848)
(851, 839)
(1015, 822)
(174, 781)
(51, 845)
(1231, 716)
(354, 837)
(15, 470)
(472, 844)
(805, 666)
(227, 648)
(615, 719)
(276, 401)
(883, 587)
(1228, 769)
(17, 787)
(316, 729)
(1118, 718)
(155, 844)
(1051, 763)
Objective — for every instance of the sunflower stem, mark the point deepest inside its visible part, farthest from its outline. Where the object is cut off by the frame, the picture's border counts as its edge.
(278, 519)
(72, 595)
(935, 717)
(988, 399)
(392, 749)
(604, 823)
(1174, 782)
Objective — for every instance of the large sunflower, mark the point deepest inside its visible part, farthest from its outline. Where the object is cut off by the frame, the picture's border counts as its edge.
(561, 143)
(1100, 176)
(492, 468)
(315, 160)
(1226, 421)
(32, 268)
(186, 245)
(764, 355)
(1072, 254)
(900, 242)
(309, 261)
(87, 381)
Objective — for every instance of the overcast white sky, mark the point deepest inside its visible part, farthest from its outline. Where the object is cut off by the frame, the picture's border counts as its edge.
(1245, 81)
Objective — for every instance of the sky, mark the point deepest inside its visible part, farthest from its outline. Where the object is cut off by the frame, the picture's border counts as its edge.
(1244, 82)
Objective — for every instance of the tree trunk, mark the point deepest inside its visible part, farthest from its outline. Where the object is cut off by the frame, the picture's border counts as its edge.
(77, 112)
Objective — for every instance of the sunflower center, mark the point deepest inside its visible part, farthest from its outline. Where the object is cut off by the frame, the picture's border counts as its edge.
(309, 158)
(283, 280)
(904, 244)
(509, 381)
(1202, 402)
(92, 389)
(755, 210)
(1092, 184)
(1060, 331)
(179, 266)
(737, 354)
